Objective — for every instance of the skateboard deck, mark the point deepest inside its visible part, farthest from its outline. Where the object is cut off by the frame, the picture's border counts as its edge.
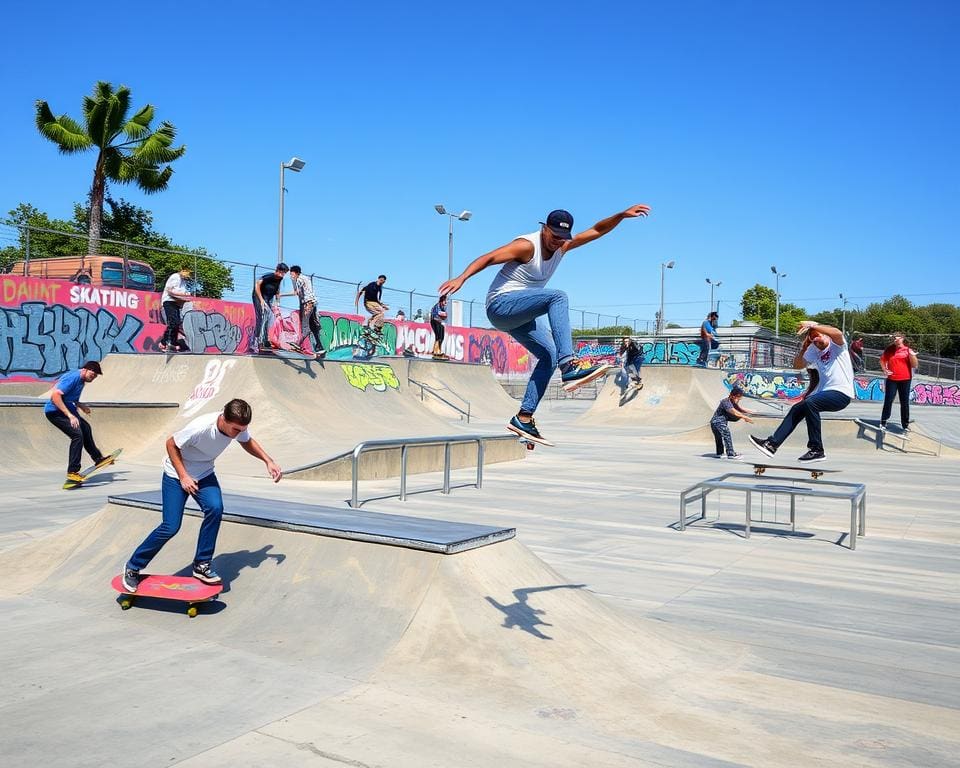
(92, 470)
(530, 442)
(601, 370)
(897, 433)
(815, 472)
(184, 589)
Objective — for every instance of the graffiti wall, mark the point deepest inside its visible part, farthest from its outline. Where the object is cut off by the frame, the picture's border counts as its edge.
(48, 327)
(664, 352)
(789, 385)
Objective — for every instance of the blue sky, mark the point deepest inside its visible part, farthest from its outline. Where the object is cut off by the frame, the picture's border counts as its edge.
(819, 137)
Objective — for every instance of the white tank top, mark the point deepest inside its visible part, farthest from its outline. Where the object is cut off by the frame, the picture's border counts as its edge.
(514, 276)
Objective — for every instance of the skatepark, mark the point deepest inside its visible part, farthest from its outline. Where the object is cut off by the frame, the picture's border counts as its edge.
(571, 623)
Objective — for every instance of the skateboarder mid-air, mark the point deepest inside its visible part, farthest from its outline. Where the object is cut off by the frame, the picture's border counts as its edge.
(631, 362)
(188, 470)
(728, 410)
(825, 348)
(518, 300)
(61, 411)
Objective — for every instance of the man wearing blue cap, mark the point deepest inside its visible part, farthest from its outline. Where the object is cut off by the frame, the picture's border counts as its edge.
(518, 299)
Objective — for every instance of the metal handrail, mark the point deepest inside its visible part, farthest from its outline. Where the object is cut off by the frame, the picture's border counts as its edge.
(404, 443)
(433, 391)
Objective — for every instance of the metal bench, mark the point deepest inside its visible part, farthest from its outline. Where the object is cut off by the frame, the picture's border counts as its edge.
(855, 493)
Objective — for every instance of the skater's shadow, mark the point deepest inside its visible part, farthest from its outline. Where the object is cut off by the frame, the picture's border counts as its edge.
(230, 564)
(523, 615)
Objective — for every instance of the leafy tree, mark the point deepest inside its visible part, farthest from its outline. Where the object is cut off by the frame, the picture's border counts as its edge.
(122, 221)
(128, 150)
(607, 331)
(759, 305)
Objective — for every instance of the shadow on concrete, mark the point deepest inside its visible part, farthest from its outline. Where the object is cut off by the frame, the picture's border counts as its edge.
(523, 615)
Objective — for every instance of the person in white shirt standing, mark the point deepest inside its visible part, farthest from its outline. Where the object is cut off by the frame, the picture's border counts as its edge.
(175, 295)
(518, 300)
(825, 349)
(188, 470)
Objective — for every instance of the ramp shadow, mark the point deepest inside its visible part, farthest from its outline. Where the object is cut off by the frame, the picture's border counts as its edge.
(231, 564)
(523, 615)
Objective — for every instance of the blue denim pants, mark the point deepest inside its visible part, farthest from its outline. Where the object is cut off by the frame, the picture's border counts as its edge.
(520, 313)
(809, 410)
(174, 500)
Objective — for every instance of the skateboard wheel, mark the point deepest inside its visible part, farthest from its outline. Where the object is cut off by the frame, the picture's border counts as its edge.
(529, 446)
(125, 604)
(192, 611)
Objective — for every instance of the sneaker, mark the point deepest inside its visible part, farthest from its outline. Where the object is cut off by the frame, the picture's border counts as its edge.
(321, 354)
(74, 477)
(525, 428)
(576, 373)
(883, 426)
(204, 572)
(130, 579)
(765, 446)
(106, 461)
(161, 346)
(735, 456)
(812, 455)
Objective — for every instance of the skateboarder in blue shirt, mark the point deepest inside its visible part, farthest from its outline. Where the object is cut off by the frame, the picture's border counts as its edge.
(518, 299)
(61, 411)
(708, 338)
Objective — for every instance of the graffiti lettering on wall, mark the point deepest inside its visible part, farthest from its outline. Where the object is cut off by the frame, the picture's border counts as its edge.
(936, 394)
(779, 385)
(50, 326)
(209, 386)
(376, 375)
(45, 341)
(659, 352)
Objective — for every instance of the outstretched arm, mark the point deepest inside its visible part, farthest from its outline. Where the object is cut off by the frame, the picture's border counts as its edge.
(255, 449)
(606, 225)
(518, 250)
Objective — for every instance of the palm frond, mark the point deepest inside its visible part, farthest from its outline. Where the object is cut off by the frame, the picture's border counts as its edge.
(155, 149)
(63, 131)
(138, 126)
(151, 180)
(113, 162)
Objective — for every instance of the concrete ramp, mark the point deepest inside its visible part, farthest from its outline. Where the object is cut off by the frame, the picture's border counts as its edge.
(461, 383)
(305, 412)
(673, 396)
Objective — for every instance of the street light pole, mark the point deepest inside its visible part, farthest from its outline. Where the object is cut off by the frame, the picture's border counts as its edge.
(295, 165)
(718, 283)
(843, 315)
(462, 216)
(777, 317)
(663, 268)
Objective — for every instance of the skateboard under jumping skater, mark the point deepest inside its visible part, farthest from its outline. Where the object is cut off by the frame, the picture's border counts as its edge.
(184, 589)
(815, 472)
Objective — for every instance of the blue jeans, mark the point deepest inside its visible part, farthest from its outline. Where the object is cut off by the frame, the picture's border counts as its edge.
(520, 313)
(809, 410)
(174, 500)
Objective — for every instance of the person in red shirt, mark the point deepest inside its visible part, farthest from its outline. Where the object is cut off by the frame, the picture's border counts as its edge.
(898, 362)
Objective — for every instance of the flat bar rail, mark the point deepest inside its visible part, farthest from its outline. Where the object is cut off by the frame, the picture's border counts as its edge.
(405, 443)
(855, 493)
(436, 393)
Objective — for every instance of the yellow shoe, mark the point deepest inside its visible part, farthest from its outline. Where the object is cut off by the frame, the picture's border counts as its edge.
(106, 461)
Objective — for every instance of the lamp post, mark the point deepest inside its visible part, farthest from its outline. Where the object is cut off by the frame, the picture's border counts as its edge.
(713, 283)
(843, 315)
(462, 216)
(296, 165)
(663, 269)
(777, 317)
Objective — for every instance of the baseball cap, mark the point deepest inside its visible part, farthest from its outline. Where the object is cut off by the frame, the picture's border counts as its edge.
(93, 365)
(560, 223)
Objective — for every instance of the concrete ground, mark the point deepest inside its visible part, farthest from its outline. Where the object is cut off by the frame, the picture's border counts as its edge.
(795, 650)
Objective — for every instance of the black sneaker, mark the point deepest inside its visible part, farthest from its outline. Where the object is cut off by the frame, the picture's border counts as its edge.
(204, 572)
(131, 579)
(527, 429)
(576, 373)
(765, 446)
(812, 455)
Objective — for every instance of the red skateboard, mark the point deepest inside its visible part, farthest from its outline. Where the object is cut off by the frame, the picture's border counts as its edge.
(185, 589)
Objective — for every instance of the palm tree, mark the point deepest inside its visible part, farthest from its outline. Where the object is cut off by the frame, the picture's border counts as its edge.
(128, 150)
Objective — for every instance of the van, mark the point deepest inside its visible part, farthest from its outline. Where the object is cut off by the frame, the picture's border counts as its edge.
(90, 270)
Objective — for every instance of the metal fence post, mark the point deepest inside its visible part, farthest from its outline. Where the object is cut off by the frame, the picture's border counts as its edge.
(446, 468)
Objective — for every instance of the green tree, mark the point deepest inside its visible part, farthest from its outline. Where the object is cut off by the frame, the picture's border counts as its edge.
(128, 150)
(759, 305)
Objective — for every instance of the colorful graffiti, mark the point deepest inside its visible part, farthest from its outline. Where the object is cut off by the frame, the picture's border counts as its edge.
(657, 352)
(789, 385)
(376, 375)
(48, 327)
